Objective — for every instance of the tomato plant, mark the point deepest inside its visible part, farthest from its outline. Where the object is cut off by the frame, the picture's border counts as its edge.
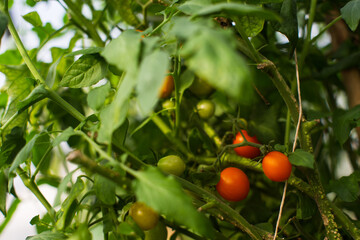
(205, 108)
(89, 105)
(276, 166)
(246, 151)
(233, 185)
(172, 164)
(144, 216)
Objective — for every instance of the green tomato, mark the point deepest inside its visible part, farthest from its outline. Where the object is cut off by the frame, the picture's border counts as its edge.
(172, 164)
(168, 104)
(144, 216)
(200, 88)
(159, 232)
(205, 109)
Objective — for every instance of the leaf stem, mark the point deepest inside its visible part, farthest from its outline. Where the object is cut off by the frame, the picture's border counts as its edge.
(35, 190)
(322, 31)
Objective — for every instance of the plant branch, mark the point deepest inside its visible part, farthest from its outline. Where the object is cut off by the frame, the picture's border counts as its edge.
(35, 190)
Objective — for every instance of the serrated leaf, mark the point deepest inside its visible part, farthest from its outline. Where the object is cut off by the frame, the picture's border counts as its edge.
(150, 79)
(347, 188)
(238, 9)
(104, 190)
(165, 195)
(213, 57)
(351, 14)
(191, 7)
(123, 52)
(33, 18)
(48, 236)
(86, 71)
(97, 96)
(39, 93)
(344, 121)
(11, 57)
(11, 146)
(24, 154)
(302, 158)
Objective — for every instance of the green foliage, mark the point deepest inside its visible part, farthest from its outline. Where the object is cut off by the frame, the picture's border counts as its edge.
(100, 97)
(350, 13)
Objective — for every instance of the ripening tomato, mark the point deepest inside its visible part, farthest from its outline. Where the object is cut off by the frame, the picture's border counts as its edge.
(233, 185)
(205, 108)
(167, 87)
(172, 164)
(276, 166)
(246, 151)
(144, 216)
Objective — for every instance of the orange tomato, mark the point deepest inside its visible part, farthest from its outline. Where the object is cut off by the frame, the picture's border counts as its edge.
(276, 166)
(246, 151)
(233, 185)
(167, 87)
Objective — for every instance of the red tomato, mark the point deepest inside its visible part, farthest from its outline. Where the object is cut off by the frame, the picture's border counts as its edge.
(167, 87)
(246, 151)
(233, 185)
(276, 166)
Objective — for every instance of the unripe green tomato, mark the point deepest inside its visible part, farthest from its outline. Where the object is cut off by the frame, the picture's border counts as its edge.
(172, 164)
(144, 216)
(159, 232)
(200, 88)
(168, 104)
(205, 109)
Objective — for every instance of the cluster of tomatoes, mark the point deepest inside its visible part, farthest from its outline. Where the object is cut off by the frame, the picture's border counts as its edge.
(234, 184)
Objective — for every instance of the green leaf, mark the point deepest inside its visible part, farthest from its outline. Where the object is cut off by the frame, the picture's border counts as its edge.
(193, 6)
(3, 24)
(252, 25)
(39, 93)
(69, 205)
(150, 79)
(86, 71)
(105, 190)
(44, 31)
(213, 57)
(347, 188)
(81, 233)
(344, 121)
(24, 154)
(50, 77)
(123, 52)
(63, 187)
(125, 11)
(237, 9)
(351, 14)
(41, 152)
(33, 18)
(165, 195)
(113, 115)
(3, 191)
(87, 51)
(97, 96)
(11, 146)
(48, 235)
(119, 135)
(302, 158)
(64, 136)
(289, 25)
(306, 207)
(11, 57)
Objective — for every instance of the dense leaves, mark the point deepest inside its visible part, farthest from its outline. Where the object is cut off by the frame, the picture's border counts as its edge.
(91, 121)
